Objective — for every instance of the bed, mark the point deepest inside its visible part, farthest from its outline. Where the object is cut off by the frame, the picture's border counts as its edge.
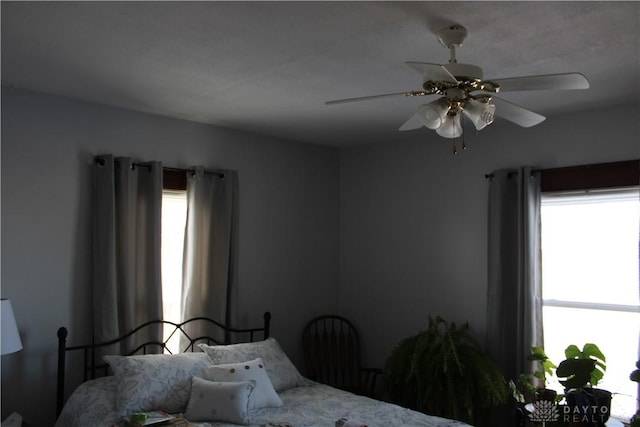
(244, 378)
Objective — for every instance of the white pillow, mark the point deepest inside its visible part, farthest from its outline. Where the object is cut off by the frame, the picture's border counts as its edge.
(217, 401)
(281, 371)
(155, 382)
(263, 396)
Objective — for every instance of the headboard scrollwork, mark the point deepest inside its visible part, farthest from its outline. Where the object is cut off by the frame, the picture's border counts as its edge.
(94, 367)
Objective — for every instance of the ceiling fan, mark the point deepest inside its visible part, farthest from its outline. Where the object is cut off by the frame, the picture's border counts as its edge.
(464, 92)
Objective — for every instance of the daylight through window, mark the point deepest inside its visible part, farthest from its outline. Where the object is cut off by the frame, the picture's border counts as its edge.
(590, 282)
(174, 215)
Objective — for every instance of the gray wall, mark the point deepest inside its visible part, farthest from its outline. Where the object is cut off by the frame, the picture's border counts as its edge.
(288, 260)
(413, 217)
(385, 234)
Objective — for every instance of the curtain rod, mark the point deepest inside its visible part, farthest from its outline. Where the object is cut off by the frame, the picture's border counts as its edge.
(101, 162)
(193, 171)
(510, 174)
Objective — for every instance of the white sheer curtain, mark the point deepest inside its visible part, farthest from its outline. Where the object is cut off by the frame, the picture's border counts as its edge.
(514, 301)
(127, 284)
(209, 249)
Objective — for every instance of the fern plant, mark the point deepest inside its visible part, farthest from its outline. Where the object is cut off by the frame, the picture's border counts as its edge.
(443, 371)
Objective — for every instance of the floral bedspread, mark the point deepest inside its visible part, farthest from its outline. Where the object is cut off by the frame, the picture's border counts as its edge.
(93, 404)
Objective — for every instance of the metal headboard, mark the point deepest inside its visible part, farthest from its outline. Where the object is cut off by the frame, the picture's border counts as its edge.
(94, 367)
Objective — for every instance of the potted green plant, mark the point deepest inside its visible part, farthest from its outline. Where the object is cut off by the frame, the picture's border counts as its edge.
(444, 371)
(534, 383)
(635, 376)
(579, 373)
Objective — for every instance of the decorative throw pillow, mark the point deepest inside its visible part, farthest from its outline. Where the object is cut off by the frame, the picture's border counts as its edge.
(263, 396)
(281, 371)
(155, 381)
(219, 401)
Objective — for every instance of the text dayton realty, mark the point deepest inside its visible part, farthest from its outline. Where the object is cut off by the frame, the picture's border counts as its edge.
(546, 411)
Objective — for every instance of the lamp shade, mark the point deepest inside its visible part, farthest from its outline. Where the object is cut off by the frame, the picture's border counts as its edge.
(434, 113)
(480, 113)
(451, 127)
(10, 338)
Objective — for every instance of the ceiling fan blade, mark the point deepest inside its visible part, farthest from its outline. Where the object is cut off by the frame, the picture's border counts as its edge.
(433, 72)
(368, 98)
(414, 122)
(544, 82)
(515, 113)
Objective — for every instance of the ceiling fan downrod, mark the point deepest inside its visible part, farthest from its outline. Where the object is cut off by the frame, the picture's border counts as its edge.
(450, 37)
(452, 55)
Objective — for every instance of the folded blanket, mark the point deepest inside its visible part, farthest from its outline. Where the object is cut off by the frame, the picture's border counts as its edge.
(343, 422)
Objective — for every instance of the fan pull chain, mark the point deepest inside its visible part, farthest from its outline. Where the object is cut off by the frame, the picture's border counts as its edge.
(453, 145)
(464, 146)
(453, 140)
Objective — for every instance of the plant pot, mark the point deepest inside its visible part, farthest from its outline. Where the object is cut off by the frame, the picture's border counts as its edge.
(545, 394)
(588, 407)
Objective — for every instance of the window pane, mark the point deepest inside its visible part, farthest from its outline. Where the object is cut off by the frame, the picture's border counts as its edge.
(174, 214)
(589, 243)
(615, 333)
(590, 259)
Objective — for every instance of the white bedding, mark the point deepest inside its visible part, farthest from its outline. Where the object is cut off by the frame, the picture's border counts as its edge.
(93, 404)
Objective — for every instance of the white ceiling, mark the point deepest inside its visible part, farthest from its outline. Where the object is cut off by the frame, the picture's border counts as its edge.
(268, 67)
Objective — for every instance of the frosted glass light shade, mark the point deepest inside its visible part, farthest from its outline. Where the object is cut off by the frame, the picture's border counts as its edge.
(450, 127)
(480, 113)
(433, 114)
(10, 338)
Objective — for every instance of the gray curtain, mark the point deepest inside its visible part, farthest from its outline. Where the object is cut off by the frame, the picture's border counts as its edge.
(127, 284)
(514, 303)
(209, 250)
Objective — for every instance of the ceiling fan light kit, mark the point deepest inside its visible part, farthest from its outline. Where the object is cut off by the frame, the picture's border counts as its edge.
(463, 91)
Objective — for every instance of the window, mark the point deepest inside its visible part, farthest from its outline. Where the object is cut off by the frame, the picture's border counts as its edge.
(174, 217)
(590, 274)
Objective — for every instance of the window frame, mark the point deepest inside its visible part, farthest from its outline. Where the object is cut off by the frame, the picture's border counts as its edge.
(602, 176)
(591, 179)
